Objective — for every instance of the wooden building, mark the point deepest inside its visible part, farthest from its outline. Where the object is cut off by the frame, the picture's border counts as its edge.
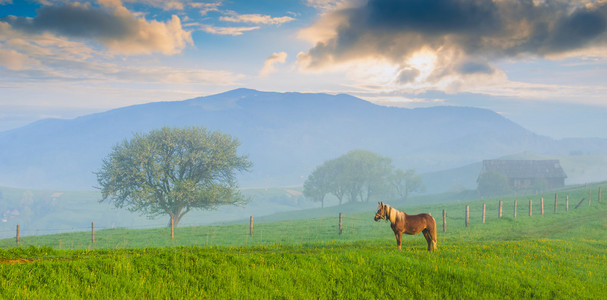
(525, 174)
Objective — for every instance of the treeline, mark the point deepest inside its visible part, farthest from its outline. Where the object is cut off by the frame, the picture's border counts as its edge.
(360, 176)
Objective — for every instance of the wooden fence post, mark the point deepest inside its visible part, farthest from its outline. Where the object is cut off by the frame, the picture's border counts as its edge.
(340, 222)
(556, 198)
(501, 206)
(172, 229)
(467, 215)
(93, 232)
(18, 232)
(542, 205)
(444, 221)
(600, 194)
(567, 203)
(530, 207)
(589, 196)
(251, 227)
(483, 213)
(515, 208)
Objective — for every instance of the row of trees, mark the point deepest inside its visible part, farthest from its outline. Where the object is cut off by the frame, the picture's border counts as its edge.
(359, 176)
(172, 171)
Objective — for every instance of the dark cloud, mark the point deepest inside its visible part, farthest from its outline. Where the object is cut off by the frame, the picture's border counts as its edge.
(113, 26)
(475, 68)
(407, 75)
(76, 20)
(432, 17)
(580, 28)
(484, 29)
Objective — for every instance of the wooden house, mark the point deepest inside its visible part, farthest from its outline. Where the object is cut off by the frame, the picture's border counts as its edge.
(525, 174)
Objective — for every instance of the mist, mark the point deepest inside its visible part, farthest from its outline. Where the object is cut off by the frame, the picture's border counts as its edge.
(286, 136)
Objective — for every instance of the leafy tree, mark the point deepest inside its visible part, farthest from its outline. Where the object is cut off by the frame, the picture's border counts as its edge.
(356, 176)
(318, 184)
(493, 184)
(172, 171)
(406, 182)
(365, 174)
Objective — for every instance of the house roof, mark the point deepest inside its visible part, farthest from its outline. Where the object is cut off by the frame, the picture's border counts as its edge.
(525, 168)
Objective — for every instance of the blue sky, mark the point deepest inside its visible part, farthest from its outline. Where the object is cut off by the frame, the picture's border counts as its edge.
(539, 63)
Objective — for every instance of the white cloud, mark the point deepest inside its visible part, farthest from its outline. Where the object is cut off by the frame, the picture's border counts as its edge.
(254, 18)
(163, 4)
(169, 75)
(206, 7)
(234, 31)
(327, 5)
(269, 65)
(14, 60)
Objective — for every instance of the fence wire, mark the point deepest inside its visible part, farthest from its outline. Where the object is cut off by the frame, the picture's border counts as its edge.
(356, 226)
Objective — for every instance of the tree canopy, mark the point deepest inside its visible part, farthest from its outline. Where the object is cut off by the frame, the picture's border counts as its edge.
(172, 171)
(359, 176)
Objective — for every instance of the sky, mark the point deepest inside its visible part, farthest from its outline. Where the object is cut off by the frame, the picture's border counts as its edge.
(540, 63)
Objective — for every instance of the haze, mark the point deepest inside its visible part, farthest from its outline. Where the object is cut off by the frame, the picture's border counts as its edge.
(454, 82)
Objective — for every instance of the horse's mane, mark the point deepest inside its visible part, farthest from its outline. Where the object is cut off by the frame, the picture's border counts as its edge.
(389, 211)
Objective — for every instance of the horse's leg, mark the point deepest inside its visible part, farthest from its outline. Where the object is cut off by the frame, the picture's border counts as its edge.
(434, 237)
(399, 239)
(428, 238)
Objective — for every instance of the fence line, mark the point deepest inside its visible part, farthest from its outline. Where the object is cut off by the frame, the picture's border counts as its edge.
(340, 228)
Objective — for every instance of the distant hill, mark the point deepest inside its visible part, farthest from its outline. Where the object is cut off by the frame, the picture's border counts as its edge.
(286, 135)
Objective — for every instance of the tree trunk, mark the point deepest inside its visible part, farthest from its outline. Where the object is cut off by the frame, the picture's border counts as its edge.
(175, 221)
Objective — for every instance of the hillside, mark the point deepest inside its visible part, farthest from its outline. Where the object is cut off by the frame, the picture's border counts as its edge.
(285, 134)
(555, 255)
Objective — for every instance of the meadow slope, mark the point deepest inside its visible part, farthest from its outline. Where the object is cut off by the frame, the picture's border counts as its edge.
(555, 255)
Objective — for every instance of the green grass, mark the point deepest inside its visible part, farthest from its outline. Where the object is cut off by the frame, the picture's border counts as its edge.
(560, 255)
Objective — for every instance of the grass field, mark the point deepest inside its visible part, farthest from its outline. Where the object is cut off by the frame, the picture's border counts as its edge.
(555, 255)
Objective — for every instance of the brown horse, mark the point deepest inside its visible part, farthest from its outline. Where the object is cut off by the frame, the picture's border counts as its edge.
(409, 224)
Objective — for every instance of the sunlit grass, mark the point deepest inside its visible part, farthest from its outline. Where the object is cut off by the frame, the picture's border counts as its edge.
(558, 255)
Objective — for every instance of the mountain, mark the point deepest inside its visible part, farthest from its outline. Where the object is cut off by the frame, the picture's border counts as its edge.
(285, 134)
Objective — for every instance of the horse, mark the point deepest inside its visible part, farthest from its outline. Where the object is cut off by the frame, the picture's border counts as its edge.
(409, 224)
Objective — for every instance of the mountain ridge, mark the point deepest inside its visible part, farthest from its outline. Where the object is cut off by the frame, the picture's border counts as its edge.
(286, 135)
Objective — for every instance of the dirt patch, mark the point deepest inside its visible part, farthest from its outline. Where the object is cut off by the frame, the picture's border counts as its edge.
(18, 261)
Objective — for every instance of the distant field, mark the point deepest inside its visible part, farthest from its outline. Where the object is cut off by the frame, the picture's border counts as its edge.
(43, 212)
(558, 255)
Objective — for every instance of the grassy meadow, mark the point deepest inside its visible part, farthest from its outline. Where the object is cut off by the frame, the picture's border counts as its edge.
(555, 255)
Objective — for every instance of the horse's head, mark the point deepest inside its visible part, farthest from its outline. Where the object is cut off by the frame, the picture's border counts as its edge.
(381, 212)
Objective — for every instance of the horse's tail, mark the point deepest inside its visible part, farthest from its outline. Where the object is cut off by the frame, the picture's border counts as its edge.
(433, 232)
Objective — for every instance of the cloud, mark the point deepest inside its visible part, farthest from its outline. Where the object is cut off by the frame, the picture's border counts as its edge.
(206, 7)
(463, 35)
(111, 24)
(326, 5)
(14, 60)
(167, 75)
(43, 57)
(269, 65)
(234, 31)
(164, 4)
(254, 18)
